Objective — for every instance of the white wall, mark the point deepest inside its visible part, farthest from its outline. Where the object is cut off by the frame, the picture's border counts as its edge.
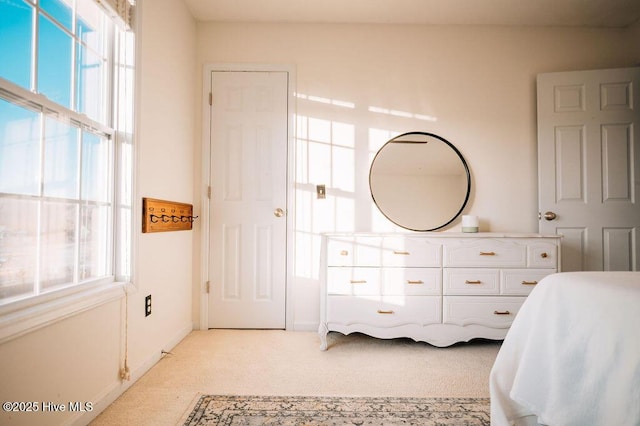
(79, 358)
(165, 159)
(633, 34)
(476, 85)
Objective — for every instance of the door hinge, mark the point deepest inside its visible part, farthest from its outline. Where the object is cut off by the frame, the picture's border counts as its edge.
(208, 286)
(208, 192)
(210, 98)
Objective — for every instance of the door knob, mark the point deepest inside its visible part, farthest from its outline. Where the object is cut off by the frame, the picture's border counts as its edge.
(278, 212)
(550, 216)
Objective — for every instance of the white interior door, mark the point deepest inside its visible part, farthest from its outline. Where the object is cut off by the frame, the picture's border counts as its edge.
(248, 202)
(589, 166)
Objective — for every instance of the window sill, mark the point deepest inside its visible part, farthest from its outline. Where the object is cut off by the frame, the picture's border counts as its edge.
(19, 318)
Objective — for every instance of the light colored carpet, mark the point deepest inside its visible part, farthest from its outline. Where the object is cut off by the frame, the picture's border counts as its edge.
(258, 362)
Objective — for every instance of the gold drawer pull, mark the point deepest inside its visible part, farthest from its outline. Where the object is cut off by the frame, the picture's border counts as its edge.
(344, 253)
(358, 281)
(404, 253)
(380, 311)
(415, 282)
(501, 312)
(544, 255)
(529, 282)
(487, 253)
(472, 282)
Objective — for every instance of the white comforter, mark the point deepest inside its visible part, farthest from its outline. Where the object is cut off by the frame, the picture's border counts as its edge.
(572, 355)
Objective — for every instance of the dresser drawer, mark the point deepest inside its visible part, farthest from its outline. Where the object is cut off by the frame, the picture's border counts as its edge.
(542, 255)
(521, 281)
(384, 311)
(466, 281)
(411, 252)
(354, 251)
(384, 281)
(354, 281)
(494, 312)
(387, 251)
(485, 253)
(412, 281)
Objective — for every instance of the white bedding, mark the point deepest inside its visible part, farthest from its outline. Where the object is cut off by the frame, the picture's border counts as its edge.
(572, 355)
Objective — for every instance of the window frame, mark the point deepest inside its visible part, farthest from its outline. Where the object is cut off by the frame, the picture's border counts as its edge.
(23, 315)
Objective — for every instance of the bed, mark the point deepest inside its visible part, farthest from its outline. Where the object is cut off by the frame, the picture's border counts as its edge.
(572, 354)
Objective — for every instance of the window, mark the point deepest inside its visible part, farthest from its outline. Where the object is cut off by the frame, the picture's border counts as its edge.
(66, 134)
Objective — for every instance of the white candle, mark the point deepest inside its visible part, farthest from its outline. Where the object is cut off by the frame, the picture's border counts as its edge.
(469, 223)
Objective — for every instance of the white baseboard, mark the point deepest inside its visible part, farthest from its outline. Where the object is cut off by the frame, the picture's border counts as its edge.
(118, 387)
(305, 326)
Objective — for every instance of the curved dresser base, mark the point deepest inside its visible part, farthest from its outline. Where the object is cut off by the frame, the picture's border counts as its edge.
(440, 335)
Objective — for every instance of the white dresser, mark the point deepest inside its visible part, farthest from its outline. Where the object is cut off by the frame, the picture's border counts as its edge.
(439, 288)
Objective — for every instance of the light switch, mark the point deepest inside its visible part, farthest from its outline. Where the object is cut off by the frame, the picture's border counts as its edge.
(321, 192)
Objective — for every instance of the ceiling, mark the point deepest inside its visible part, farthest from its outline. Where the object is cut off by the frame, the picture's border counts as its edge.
(575, 13)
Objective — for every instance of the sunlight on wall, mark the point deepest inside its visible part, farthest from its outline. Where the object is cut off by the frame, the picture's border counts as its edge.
(377, 138)
(404, 114)
(326, 100)
(327, 153)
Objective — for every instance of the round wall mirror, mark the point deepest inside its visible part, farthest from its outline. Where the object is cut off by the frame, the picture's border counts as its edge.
(419, 181)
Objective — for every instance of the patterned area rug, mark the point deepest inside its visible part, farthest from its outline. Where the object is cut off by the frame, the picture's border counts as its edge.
(309, 410)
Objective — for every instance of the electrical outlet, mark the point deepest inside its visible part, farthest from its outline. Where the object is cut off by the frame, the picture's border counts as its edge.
(147, 306)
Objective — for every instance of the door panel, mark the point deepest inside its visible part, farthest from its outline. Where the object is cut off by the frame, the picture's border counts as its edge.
(249, 125)
(589, 166)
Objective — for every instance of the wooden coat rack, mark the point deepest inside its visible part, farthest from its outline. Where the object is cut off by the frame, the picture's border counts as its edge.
(163, 216)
